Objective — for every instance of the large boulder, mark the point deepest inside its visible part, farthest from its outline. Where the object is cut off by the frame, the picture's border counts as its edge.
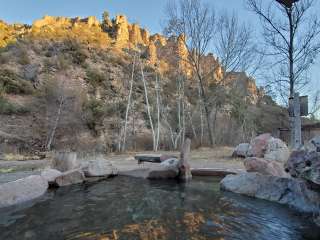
(50, 175)
(22, 190)
(241, 150)
(305, 165)
(170, 163)
(291, 192)
(266, 146)
(65, 161)
(71, 177)
(168, 169)
(99, 168)
(314, 144)
(276, 150)
(265, 167)
(258, 145)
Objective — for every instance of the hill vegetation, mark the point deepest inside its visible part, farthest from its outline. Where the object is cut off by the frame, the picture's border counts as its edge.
(81, 84)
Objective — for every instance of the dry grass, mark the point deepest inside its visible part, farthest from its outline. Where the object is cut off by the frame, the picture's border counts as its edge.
(219, 157)
(18, 157)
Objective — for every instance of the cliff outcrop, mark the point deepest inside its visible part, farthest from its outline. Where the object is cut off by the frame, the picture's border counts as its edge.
(90, 62)
(118, 33)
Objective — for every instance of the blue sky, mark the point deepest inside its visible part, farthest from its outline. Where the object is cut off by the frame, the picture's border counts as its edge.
(147, 13)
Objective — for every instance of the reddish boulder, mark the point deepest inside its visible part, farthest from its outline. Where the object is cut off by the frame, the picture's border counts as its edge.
(258, 145)
(265, 167)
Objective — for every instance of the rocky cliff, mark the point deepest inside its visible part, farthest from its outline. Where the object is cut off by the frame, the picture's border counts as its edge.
(118, 33)
(84, 67)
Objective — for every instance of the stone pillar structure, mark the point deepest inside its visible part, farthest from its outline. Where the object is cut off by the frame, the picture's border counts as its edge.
(184, 167)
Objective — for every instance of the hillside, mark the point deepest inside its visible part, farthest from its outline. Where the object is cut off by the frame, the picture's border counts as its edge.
(67, 80)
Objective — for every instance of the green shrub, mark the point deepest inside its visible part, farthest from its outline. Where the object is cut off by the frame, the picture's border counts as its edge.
(78, 53)
(94, 111)
(9, 108)
(23, 57)
(11, 83)
(95, 77)
(4, 58)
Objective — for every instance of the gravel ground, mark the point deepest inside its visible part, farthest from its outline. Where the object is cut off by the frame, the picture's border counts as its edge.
(218, 158)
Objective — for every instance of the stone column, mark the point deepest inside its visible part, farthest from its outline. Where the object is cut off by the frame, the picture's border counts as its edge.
(184, 167)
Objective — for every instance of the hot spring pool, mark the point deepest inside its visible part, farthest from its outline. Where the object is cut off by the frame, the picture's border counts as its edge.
(128, 208)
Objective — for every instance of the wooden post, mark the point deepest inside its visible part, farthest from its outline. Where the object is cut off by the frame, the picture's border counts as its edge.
(184, 167)
(297, 122)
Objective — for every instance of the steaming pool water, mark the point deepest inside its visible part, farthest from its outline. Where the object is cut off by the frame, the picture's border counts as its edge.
(129, 208)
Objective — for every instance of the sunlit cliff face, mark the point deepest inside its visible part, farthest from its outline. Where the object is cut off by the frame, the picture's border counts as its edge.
(167, 54)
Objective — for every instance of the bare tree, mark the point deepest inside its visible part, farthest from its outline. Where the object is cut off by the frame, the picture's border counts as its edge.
(315, 108)
(195, 22)
(128, 105)
(292, 41)
(158, 91)
(231, 41)
(148, 107)
(235, 47)
(56, 93)
(291, 35)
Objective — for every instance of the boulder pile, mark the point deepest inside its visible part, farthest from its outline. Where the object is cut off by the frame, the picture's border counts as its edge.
(275, 175)
(65, 171)
(265, 154)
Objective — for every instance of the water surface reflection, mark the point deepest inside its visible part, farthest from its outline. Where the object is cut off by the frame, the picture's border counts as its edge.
(126, 208)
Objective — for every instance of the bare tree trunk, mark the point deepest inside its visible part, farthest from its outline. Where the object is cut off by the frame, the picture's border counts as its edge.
(192, 126)
(215, 124)
(201, 117)
(183, 113)
(128, 106)
(158, 112)
(148, 107)
(56, 122)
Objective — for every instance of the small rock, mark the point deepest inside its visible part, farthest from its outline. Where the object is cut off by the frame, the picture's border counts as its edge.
(161, 172)
(22, 190)
(170, 163)
(71, 177)
(241, 150)
(168, 169)
(50, 175)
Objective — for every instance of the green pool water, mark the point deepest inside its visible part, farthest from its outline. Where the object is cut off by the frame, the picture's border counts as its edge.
(129, 208)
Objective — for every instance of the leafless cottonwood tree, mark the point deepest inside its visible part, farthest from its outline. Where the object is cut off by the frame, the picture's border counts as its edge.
(292, 42)
(196, 22)
(128, 104)
(146, 95)
(235, 46)
(57, 94)
(229, 40)
(315, 108)
(291, 38)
